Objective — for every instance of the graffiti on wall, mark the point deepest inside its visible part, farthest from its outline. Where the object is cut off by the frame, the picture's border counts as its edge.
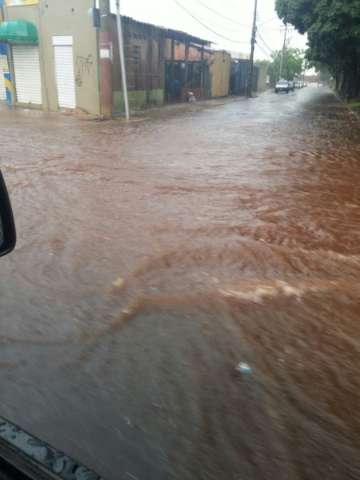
(15, 3)
(83, 66)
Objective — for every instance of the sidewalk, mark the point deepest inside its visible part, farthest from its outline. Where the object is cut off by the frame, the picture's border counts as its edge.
(175, 108)
(186, 107)
(136, 115)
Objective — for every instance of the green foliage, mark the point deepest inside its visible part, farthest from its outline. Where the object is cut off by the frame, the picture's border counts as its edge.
(333, 28)
(292, 65)
(297, 12)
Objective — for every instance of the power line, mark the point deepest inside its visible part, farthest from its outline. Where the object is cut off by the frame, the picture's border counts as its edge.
(275, 29)
(263, 51)
(232, 30)
(205, 26)
(262, 47)
(269, 51)
(263, 41)
(269, 20)
(221, 15)
(213, 24)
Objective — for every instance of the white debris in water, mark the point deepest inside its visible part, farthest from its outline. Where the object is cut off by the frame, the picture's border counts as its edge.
(256, 295)
(289, 290)
(243, 367)
(128, 421)
(119, 283)
(257, 292)
(131, 476)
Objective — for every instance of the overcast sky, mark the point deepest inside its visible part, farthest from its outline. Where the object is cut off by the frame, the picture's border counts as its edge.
(223, 18)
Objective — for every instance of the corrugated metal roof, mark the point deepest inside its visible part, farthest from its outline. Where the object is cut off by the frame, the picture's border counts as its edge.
(168, 32)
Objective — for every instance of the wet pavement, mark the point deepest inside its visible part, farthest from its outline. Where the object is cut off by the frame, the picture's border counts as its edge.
(154, 258)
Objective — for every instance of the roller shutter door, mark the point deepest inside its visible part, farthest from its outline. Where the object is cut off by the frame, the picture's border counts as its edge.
(64, 71)
(27, 74)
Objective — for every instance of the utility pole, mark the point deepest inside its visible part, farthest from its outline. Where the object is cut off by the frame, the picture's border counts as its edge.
(122, 60)
(283, 51)
(253, 42)
(106, 87)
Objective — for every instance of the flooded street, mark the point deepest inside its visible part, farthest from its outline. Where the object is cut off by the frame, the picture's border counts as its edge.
(154, 258)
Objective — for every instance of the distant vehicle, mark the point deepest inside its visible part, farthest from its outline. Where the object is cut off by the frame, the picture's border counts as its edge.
(299, 84)
(292, 85)
(282, 86)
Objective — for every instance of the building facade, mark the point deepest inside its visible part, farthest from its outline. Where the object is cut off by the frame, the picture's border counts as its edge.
(162, 65)
(52, 54)
(64, 55)
(144, 47)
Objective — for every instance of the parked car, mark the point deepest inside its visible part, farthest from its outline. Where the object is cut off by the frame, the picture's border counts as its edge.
(282, 86)
(291, 85)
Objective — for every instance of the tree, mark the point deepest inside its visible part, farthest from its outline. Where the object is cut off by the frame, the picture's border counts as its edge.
(333, 28)
(292, 64)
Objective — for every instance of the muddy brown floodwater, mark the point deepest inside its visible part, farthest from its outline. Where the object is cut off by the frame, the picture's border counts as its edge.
(154, 258)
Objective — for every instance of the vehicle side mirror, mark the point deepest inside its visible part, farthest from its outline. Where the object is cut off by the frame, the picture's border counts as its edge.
(7, 224)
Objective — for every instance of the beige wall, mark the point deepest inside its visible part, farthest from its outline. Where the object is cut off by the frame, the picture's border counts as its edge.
(262, 85)
(220, 67)
(65, 17)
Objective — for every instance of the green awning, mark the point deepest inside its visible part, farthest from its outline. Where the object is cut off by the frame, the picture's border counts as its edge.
(18, 31)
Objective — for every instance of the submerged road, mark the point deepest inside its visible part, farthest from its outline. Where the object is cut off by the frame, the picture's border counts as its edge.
(154, 258)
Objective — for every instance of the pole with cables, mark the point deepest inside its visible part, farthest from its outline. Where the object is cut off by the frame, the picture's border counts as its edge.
(122, 60)
(253, 42)
(283, 52)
